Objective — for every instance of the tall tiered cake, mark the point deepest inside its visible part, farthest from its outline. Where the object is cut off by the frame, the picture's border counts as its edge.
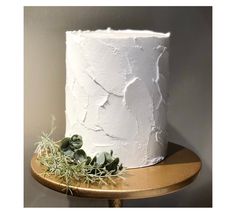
(116, 92)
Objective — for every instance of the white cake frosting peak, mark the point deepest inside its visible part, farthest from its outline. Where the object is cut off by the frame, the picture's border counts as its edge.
(119, 33)
(116, 92)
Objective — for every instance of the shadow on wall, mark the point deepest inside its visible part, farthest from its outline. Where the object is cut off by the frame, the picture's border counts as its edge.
(177, 199)
(175, 137)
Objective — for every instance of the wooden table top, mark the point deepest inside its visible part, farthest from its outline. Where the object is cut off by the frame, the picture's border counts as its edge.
(180, 168)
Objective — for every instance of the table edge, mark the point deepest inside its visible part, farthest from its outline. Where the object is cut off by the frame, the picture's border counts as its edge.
(110, 194)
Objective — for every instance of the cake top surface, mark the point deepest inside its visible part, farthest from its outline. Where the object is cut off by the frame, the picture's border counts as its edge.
(110, 33)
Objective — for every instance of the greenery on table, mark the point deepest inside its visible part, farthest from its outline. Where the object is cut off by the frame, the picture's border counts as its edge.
(68, 161)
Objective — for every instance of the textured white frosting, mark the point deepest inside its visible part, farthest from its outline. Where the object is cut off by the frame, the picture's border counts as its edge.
(116, 92)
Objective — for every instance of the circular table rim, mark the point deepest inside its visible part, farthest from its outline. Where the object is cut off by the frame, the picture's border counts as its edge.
(113, 194)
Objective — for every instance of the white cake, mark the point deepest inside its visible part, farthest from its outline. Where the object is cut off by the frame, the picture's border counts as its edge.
(116, 92)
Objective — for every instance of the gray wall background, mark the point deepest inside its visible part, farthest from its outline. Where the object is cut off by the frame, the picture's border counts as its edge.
(190, 103)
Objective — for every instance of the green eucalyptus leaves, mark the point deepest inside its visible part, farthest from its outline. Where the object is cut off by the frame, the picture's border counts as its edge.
(71, 147)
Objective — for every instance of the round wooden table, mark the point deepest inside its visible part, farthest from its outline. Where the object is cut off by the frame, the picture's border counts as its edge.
(178, 169)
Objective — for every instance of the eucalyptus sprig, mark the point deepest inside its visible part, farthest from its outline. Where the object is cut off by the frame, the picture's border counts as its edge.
(69, 162)
(103, 162)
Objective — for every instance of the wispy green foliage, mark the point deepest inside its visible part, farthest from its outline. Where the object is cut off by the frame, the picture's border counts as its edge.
(68, 161)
